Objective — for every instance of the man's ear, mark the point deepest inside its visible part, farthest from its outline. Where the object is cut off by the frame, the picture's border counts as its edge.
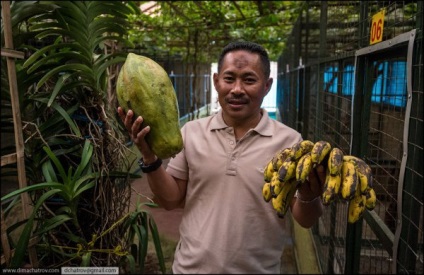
(215, 80)
(268, 85)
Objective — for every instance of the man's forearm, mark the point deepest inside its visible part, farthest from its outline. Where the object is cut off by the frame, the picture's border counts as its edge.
(168, 193)
(306, 213)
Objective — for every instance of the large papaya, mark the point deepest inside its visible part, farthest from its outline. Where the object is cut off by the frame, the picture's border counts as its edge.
(144, 87)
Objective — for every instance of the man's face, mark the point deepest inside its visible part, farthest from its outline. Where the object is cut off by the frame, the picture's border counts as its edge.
(241, 85)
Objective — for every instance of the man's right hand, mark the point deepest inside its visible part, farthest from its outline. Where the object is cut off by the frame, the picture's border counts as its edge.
(137, 134)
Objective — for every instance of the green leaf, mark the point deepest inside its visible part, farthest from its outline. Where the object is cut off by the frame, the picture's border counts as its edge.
(41, 52)
(86, 259)
(58, 165)
(74, 238)
(87, 186)
(87, 152)
(144, 241)
(22, 245)
(131, 263)
(30, 188)
(63, 209)
(142, 252)
(53, 223)
(48, 172)
(157, 243)
(64, 68)
(64, 114)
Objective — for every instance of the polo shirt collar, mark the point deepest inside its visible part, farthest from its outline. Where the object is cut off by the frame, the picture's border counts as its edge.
(263, 128)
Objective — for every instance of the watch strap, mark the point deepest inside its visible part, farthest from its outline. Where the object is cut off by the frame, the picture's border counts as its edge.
(150, 167)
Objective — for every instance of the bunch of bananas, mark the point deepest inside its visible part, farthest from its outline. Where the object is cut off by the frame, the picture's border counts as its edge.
(348, 177)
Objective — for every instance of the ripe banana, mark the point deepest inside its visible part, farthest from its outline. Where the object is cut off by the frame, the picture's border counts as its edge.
(320, 151)
(279, 157)
(268, 171)
(275, 185)
(331, 187)
(283, 201)
(266, 191)
(335, 160)
(371, 199)
(287, 170)
(363, 170)
(349, 181)
(356, 207)
(303, 167)
(300, 148)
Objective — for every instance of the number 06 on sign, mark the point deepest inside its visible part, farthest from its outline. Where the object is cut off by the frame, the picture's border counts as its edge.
(377, 25)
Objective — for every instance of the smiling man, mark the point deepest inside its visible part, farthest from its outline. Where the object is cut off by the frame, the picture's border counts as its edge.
(218, 177)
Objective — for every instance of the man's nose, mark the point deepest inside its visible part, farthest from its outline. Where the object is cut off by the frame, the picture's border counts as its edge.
(238, 87)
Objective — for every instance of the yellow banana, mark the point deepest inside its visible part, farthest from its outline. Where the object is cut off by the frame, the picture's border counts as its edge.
(331, 187)
(268, 171)
(349, 181)
(277, 202)
(284, 153)
(276, 163)
(300, 148)
(279, 157)
(356, 207)
(371, 199)
(303, 167)
(320, 151)
(275, 185)
(335, 160)
(363, 170)
(266, 191)
(287, 170)
(283, 201)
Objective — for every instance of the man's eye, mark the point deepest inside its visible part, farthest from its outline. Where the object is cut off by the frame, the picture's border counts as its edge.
(228, 78)
(249, 80)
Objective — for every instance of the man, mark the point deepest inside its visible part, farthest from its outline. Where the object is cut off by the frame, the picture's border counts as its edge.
(218, 177)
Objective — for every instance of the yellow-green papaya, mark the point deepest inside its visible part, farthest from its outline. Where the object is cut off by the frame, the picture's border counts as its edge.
(144, 87)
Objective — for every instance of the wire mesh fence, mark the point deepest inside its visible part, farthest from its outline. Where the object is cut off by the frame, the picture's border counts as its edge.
(365, 98)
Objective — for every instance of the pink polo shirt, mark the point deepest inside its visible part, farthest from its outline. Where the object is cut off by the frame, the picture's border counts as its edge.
(227, 227)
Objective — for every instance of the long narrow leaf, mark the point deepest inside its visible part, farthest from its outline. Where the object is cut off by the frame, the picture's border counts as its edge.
(76, 185)
(22, 245)
(57, 163)
(64, 114)
(31, 188)
(57, 87)
(131, 263)
(53, 223)
(38, 54)
(141, 234)
(145, 237)
(74, 238)
(87, 152)
(127, 225)
(64, 209)
(64, 68)
(157, 243)
(57, 58)
(86, 187)
(48, 172)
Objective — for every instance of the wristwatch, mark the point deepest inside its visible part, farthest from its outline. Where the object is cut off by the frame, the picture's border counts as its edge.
(151, 167)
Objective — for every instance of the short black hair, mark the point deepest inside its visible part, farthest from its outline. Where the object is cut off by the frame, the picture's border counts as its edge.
(250, 47)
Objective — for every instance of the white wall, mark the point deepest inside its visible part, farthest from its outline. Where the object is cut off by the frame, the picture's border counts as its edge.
(270, 101)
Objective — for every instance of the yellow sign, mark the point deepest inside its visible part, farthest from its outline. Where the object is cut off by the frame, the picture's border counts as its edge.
(377, 26)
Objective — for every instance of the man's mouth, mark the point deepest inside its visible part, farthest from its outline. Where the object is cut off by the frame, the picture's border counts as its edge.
(236, 101)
